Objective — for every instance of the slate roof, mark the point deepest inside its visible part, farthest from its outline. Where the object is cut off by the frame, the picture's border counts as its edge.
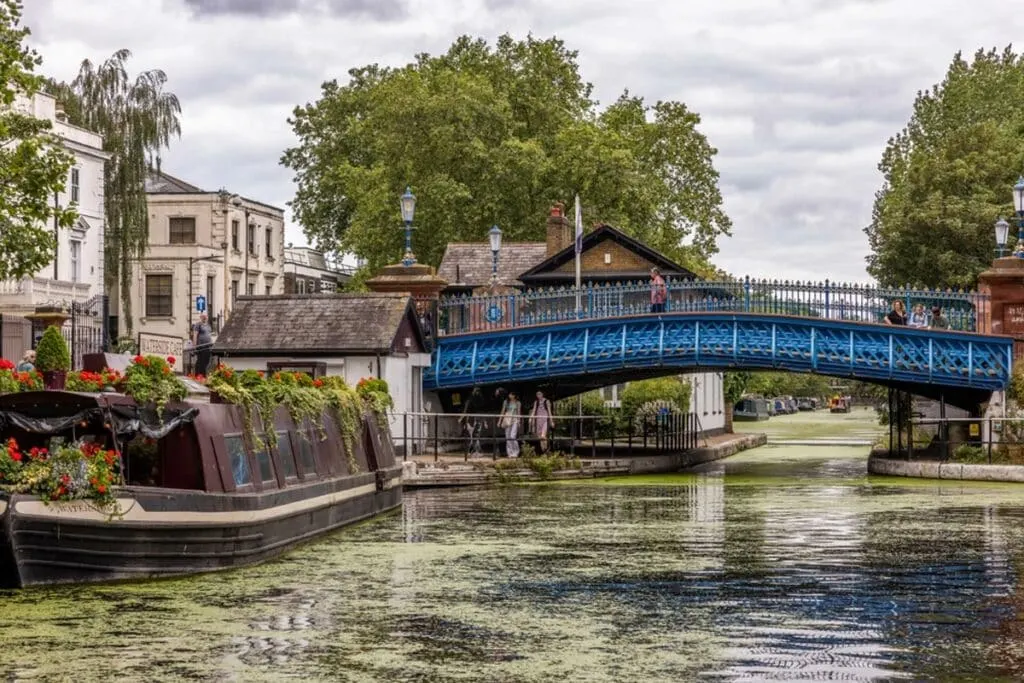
(544, 271)
(315, 324)
(158, 182)
(471, 262)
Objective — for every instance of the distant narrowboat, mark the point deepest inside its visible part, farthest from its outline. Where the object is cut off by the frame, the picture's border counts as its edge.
(200, 495)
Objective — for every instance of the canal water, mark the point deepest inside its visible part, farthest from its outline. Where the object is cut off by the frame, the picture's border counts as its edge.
(782, 563)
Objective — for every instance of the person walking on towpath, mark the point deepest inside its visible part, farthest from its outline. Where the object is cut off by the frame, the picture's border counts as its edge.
(540, 418)
(202, 344)
(509, 421)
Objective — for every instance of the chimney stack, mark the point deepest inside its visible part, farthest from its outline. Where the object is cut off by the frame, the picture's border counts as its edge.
(559, 229)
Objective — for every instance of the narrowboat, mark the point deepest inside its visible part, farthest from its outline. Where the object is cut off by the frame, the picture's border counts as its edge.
(750, 410)
(200, 493)
(839, 404)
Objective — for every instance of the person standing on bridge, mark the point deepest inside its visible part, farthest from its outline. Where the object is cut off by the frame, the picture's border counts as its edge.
(658, 291)
(939, 321)
(509, 421)
(898, 314)
(918, 317)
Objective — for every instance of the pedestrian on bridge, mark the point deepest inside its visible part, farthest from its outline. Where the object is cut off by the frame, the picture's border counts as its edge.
(658, 291)
(898, 314)
(918, 317)
(939, 321)
(509, 421)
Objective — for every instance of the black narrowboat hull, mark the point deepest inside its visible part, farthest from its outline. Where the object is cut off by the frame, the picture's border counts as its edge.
(172, 532)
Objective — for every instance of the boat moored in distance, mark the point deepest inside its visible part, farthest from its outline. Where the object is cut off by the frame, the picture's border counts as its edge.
(200, 495)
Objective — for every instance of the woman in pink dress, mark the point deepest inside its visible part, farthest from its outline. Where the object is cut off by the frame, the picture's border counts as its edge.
(541, 419)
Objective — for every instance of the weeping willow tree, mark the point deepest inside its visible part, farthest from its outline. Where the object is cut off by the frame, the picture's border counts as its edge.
(137, 119)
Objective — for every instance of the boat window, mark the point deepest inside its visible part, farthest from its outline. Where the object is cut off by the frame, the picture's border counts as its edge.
(284, 452)
(239, 460)
(266, 467)
(306, 446)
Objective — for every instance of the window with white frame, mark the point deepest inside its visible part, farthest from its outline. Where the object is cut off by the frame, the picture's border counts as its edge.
(76, 261)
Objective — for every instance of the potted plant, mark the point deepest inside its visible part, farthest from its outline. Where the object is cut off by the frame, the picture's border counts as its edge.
(151, 382)
(53, 359)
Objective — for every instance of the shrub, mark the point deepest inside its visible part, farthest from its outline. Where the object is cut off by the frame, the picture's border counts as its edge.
(673, 390)
(970, 454)
(52, 353)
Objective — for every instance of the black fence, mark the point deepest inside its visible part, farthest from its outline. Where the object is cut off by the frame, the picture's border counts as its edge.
(481, 435)
(968, 440)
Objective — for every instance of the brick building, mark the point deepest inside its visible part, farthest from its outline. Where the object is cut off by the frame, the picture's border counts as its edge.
(609, 256)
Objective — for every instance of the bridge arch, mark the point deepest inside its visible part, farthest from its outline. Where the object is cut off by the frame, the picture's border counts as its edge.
(571, 356)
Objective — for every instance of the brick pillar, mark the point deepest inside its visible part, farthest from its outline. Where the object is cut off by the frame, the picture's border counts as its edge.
(1004, 284)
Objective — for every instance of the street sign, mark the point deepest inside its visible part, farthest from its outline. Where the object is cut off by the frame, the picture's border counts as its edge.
(200, 303)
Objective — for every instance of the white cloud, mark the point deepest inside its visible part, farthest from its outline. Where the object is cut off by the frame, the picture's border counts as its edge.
(799, 96)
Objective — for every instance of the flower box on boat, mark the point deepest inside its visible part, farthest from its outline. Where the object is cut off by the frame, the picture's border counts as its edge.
(199, 494)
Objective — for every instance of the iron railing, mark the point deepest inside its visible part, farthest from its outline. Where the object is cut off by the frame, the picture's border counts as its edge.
(964, 310)
(990, 440)
(480, 435)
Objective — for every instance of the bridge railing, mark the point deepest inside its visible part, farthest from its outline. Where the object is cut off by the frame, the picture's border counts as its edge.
(964, 310)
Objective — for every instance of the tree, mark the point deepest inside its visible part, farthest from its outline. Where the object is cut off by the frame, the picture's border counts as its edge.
(33, 165)
(137, 119)
(492, 136)
(948, 176)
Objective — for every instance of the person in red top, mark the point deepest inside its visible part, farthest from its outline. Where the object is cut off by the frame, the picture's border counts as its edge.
(658, 291)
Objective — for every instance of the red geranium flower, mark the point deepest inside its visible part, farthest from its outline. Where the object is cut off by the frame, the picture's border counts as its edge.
(171, 359)
(6, 364)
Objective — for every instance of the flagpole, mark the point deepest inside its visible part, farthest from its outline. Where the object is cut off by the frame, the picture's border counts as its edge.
(579, 249)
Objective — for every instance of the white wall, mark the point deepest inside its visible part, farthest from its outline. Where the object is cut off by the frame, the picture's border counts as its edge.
(397, 371)
(707, 400)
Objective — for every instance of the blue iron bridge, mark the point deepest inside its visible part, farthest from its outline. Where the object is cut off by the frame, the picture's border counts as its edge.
(566, 341)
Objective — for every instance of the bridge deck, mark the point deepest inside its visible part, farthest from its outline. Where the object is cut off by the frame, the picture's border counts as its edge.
(681, 341)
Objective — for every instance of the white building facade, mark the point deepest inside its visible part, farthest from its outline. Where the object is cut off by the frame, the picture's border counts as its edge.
(75, 275)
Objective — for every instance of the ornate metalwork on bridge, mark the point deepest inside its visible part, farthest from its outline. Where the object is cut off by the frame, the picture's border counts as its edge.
(682, 341)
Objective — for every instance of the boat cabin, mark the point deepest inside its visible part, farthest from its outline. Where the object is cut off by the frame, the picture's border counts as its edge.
(196, 446)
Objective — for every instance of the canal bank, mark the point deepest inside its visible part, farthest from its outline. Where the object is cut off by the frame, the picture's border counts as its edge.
(443, 471)
(881, 463)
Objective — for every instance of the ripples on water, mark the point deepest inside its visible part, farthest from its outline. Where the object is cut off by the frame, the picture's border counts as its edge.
(783, 564)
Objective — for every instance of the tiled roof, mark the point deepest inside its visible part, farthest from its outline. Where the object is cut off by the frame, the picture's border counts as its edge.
(161, 183)
(469, 263)
(331, 323)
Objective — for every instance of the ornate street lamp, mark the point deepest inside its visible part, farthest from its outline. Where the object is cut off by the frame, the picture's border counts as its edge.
(1018, 204)
(1002, 232)
(408, 202)
(495, 237)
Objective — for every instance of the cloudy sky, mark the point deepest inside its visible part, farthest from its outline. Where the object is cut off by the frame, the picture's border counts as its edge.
(799, 96)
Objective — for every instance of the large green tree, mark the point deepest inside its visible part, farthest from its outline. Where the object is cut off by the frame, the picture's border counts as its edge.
(948, 175)
(33, 165)
(137, 119)
(493, 135)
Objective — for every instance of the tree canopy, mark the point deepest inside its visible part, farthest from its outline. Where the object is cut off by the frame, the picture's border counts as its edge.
(137, 119)
(949, 174)
(493, 136)
(33, 165)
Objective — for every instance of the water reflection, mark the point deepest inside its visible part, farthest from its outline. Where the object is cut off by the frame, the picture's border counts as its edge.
(777, 565)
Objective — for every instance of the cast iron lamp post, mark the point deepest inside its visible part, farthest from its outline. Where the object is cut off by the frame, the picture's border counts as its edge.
(1018, 204)
(495, 237)
(1002, 232)
(408, 202)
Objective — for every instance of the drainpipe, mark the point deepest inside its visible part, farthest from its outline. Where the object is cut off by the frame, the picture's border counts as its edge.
(56, 233)
(378, 365)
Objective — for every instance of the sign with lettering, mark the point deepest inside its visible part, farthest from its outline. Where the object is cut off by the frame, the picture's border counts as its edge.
(1013, 318)
(163, 345)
